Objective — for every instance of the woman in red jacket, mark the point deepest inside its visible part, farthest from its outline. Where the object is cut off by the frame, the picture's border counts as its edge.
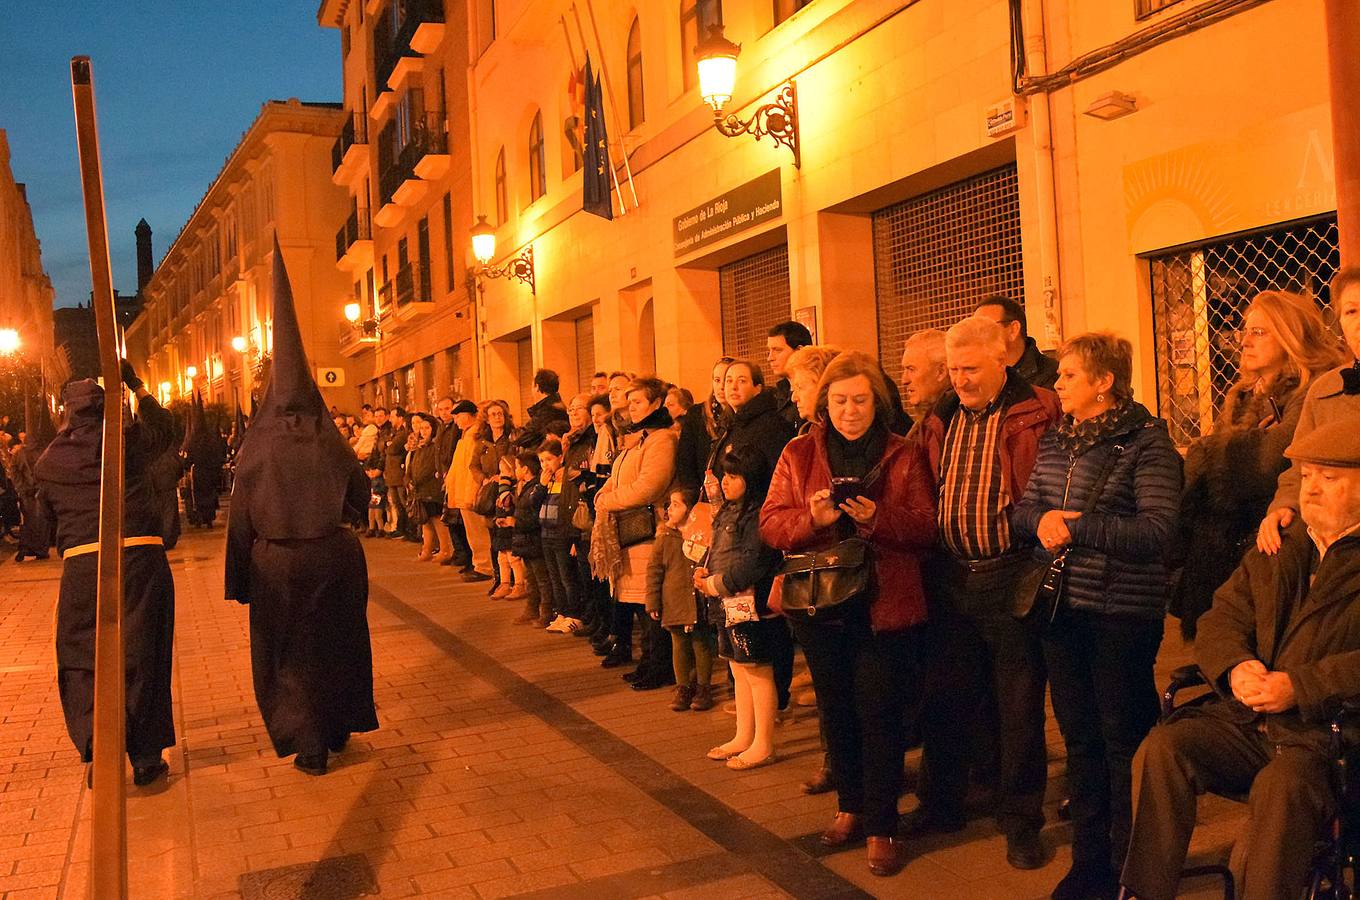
(866, 661)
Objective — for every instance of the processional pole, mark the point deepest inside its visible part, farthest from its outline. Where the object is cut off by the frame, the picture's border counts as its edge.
(108, 834)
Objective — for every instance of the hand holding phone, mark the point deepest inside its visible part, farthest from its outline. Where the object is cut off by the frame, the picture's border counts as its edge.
(843, 489)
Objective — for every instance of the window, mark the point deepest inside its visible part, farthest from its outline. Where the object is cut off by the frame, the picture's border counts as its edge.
(423, 259)
(695, 18)
(937, 255)
(783, 9)
(502, 195)
(538, 176)
(1144, 8)
(344, 43)
(637, 112)
(1199, 296)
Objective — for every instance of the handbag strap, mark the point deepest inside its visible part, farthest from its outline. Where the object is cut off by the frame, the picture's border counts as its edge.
(1106, 470)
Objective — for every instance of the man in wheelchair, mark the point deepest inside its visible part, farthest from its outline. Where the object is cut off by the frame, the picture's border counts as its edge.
(1281, 650)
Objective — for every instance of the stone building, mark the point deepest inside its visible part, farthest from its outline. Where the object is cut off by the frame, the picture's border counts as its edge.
(26, 293)
(207, 307)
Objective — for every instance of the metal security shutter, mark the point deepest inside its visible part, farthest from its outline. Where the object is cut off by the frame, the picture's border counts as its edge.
(525, 352)
(585, 349)
(937, 255)
(755, 298)
(1199, 296)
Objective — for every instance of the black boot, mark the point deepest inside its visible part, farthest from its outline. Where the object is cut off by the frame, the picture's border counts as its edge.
(312, 763)
(619, 655)
(142, 775)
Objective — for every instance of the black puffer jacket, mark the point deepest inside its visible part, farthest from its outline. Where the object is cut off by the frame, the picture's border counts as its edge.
(758, 424)
(1117, 563)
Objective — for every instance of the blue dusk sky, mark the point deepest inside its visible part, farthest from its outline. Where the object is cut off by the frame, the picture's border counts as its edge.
(176, 85)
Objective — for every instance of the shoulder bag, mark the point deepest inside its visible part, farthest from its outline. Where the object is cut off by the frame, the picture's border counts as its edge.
(825, 584)
(485, 502)
(1039, 584)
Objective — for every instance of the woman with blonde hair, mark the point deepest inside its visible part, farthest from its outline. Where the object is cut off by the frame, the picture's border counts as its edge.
(1230, 473)
(805, 367)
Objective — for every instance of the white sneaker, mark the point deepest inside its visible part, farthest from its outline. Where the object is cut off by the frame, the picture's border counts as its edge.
(557, 625)
(570, 626)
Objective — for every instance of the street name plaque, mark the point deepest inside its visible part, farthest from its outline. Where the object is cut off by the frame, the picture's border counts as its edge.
(727, 214)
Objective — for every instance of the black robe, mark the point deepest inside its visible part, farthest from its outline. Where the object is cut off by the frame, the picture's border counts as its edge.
(68, 477)
(35, 535)
(205, 458)
(309, 646)
(165, 472)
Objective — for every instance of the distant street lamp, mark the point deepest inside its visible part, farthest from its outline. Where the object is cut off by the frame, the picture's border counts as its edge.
(192, 372)
(165, 391)
(717, 61)
(521, 268)
(352, 312)
(9, 342)
(238, 344)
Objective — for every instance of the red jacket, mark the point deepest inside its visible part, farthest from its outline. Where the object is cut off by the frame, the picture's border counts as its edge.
(902, 531)
(1030, 411)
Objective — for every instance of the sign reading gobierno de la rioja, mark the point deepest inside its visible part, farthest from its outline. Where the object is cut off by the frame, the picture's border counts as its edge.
(736, 210)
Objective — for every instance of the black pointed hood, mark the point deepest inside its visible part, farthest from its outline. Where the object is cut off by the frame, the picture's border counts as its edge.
(73, 455)
(198, 437)
(239, 431)
(294, 467)
(38, 424)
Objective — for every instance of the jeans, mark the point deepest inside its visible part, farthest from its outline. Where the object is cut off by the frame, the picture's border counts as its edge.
(1105, 700)
(992, 712)
(540, 600)
(864, 683)
(563, 573)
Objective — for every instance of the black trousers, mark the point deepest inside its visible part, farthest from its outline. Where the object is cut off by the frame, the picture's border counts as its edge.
(35, 535)
(1289, 795)
(458, 534)
(1105, 699)
(562, 571)
(993, 710)
(864, 683)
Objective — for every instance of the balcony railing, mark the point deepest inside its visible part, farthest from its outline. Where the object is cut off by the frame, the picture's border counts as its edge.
(354, 132)
(356, 228)
(408, 292)
(405, 17)
(428, 136)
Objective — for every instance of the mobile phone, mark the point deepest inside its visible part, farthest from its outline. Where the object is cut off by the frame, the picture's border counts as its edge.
(1276, 410)
(843, 489)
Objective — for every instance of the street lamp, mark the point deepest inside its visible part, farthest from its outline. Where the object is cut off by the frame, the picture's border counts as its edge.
(521, 268)
(352, 312)
(238, 344)
(9, 341)
(192, 372)
(717, 60)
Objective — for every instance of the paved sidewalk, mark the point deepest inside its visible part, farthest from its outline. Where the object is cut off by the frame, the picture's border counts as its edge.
(508, 764)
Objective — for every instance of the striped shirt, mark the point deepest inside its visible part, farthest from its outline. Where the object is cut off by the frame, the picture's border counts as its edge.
(973, 504)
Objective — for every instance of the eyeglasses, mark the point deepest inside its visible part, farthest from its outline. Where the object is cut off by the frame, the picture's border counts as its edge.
(1254, 333)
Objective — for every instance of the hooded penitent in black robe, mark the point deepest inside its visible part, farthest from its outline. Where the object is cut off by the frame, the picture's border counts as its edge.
(68, 478)
(205, 453)
(290, 556)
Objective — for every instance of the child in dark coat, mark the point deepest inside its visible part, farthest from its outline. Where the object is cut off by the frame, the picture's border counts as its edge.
(526, 540)
(737, 579)
(672, 601)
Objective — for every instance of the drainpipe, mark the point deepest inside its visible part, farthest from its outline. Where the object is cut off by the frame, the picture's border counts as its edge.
(1343, 67)
(1045, 191)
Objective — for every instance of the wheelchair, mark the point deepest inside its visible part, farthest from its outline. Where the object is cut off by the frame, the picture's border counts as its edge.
(1336, 858)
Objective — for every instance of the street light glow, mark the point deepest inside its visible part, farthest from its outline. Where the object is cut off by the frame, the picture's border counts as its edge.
(191, 371)
(352, 312)
(238, 344)
(717, 59)
(483, 241)
(9, 341)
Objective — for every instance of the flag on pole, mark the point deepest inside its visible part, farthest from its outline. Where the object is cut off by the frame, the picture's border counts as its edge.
(596, 177)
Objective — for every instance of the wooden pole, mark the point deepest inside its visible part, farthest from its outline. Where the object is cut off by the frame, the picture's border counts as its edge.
(108, 834)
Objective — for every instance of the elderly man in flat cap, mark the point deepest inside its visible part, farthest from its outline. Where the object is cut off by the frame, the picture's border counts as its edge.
(1281, 648)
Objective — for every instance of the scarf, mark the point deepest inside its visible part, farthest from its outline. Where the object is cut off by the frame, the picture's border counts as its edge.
(1075, 438)
(855, 459)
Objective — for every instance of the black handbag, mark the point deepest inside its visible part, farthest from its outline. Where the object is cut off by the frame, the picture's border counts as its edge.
(826, 584)
(635, 526)
(484, 504)
(1039, 584)
(415, 510)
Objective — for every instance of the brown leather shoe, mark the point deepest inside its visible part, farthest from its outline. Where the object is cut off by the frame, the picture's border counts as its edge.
(887, 856)
(845, 828)
(819, 783)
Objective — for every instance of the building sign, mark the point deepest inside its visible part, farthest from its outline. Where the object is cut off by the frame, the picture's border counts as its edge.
(737, 210)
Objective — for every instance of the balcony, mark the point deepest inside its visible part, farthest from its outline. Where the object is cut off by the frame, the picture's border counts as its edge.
(349, 153)
(409, 294)
(403, 183)
(354, 242)
(415, 27)
(355, 339)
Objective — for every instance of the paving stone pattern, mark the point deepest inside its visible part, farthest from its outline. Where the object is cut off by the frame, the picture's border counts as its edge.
(508, 764)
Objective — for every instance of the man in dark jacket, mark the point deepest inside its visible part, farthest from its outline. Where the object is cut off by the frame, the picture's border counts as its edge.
(982, 439)
(69, 478)
(1022, 352)
(780, 343)
(35, 535)
(1281, 649)
(548, 409)
(394, 472)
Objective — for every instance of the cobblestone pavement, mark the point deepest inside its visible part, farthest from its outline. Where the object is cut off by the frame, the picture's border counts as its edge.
(508, 764)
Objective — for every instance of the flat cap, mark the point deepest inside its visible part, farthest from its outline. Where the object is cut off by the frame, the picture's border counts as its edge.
(1332, 444)
(467, 406)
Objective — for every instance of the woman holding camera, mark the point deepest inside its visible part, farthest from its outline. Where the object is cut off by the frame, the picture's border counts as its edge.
(849, 478)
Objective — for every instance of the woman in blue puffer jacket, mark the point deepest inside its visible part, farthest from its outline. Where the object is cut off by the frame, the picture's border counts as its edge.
(1102, 641)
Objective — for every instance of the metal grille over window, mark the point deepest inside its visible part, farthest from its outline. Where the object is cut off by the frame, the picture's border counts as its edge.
(1199, 297)
(937, 255)
(585, 349)
(755, 298)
